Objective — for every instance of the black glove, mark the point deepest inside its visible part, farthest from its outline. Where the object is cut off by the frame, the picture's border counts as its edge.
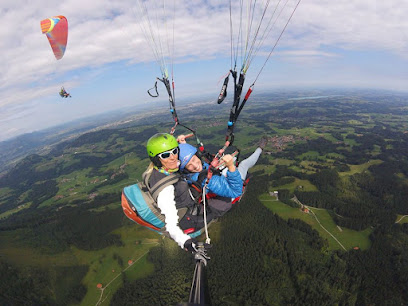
(190, 245)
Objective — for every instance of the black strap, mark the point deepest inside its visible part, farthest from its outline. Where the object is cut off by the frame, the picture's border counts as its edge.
(155, 190)
(155, 88)
(223, 93)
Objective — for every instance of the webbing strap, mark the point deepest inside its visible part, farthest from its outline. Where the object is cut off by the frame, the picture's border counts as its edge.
(161, 184)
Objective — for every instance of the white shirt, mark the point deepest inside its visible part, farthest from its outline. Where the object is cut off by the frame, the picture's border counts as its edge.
(167, 205)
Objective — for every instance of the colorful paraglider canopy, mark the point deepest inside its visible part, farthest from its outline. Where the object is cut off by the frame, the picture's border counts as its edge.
(56, 29)
(130, 262)
(99, 286)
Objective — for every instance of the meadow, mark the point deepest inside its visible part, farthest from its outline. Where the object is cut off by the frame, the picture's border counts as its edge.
(106, 266)
(348, 238)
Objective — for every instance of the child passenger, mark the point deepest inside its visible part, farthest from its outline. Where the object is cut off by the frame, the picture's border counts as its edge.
(228, 185)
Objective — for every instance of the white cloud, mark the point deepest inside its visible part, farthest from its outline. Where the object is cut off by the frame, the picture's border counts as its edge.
(102, 32)
(357, 25)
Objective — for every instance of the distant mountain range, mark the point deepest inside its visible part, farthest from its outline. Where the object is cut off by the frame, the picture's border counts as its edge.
(13, 150)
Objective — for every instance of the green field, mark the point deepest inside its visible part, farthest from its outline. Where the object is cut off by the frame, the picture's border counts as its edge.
(350, 142)
(402, 219)
(348, 238)
(329, 137)
(15, 210)
(360, 168)
(304, 185)
(309, 132)
(309, 154)
(284, 162)
(105, 265)
(106, 268)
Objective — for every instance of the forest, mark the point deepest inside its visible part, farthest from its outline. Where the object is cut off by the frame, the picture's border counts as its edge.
(351, 151)
(260, 259)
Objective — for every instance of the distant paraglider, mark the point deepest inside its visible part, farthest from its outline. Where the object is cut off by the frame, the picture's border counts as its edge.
(56, 30)
(63, 93)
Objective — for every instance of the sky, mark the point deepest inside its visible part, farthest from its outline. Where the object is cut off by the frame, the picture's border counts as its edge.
(111, 58)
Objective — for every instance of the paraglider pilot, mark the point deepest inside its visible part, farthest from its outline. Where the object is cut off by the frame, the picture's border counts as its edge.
(63, 93)
(163, 151)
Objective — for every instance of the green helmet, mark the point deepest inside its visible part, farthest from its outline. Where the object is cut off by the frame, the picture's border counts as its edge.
(159, 143)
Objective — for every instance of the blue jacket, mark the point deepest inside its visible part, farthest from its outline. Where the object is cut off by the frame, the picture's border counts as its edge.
(229, 186)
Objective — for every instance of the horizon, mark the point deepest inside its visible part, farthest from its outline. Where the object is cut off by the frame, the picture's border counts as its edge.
(163, 105)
